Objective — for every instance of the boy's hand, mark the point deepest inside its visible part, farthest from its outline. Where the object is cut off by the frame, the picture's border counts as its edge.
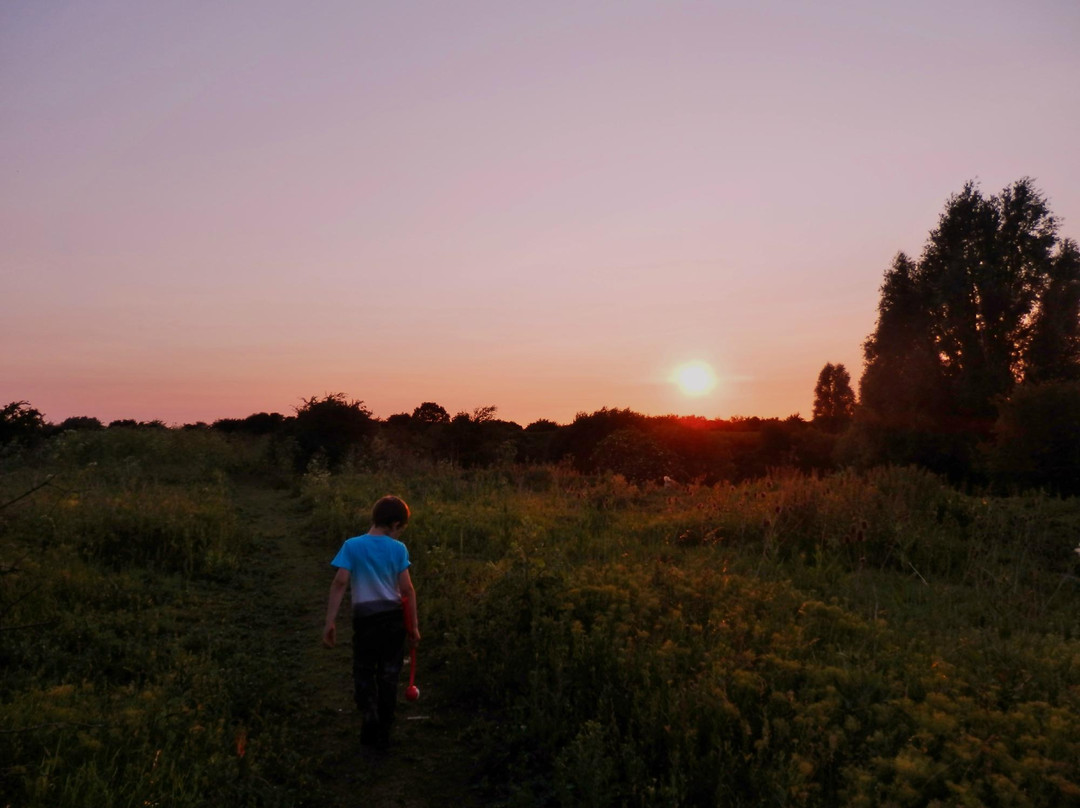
(329, 637)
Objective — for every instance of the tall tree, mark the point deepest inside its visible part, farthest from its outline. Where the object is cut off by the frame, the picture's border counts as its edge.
(992, 301)
(834, 400)
(902, 380)
(986, 267)
(1053, 351)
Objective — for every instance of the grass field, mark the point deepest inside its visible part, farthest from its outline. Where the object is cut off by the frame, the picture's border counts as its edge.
(877, 639)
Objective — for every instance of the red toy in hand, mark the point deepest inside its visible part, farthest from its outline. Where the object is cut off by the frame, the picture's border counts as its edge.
(412, 692)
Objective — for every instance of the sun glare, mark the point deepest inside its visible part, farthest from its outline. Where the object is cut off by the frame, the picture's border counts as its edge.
(695, 378)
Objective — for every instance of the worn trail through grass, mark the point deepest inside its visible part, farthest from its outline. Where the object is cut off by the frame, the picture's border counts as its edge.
(428, 763)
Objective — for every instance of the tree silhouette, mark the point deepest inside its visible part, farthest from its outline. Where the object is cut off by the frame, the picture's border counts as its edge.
(77, 422)
(260, 423)
(537, 441)
(20, 424)
(480, 439)
(430, 413)
(332, 427)
(984, 270)
(834, 400)
(993, 301)
(901, 381)
(1053, 352)
(542, 425)
(579, 440)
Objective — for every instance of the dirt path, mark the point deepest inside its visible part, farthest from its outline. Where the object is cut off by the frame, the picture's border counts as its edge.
(428, 763)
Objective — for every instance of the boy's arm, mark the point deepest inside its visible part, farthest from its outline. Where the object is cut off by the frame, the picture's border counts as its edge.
(408, 595)
(337, 592)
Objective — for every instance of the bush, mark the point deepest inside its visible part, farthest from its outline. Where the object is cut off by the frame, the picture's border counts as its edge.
(331, 428)
(1037, 438)
(20, 425)
(633, 454)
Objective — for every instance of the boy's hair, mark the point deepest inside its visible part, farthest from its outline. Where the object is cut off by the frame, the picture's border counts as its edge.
(389, 511)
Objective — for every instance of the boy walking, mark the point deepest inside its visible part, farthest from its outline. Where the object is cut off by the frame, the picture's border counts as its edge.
(376, 565)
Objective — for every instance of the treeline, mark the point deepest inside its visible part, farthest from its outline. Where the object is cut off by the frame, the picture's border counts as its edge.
(334, 432)
(972, 371)
(1035, 441)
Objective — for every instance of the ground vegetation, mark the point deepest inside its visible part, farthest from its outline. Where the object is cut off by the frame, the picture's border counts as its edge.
(792, 638)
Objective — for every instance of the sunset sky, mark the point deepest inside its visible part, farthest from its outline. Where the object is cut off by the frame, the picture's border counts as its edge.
(214, 209)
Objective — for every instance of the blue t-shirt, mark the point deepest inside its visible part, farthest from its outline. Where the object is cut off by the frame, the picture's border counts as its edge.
(374, 564)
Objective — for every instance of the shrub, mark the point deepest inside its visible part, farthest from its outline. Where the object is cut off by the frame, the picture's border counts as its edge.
(1037, 438)
(332, 428)
(20, 425)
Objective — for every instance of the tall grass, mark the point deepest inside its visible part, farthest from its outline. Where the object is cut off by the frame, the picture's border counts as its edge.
(127, 678)
(875, 639)
(860, 640)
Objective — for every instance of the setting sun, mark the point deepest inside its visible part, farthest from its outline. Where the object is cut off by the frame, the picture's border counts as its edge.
(695, 378)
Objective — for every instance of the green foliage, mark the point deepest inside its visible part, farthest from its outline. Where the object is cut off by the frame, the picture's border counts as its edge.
(857, 639)
(155, 499)
(136, 455)
(790, 640)
(124, 697)
(135, 672)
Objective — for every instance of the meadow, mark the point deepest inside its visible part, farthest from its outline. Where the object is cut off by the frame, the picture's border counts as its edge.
(792, 640)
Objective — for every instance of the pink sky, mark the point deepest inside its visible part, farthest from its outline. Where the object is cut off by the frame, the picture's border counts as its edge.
(211, 210)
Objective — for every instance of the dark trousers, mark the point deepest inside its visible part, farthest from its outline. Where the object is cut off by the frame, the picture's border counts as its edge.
(378, 649)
